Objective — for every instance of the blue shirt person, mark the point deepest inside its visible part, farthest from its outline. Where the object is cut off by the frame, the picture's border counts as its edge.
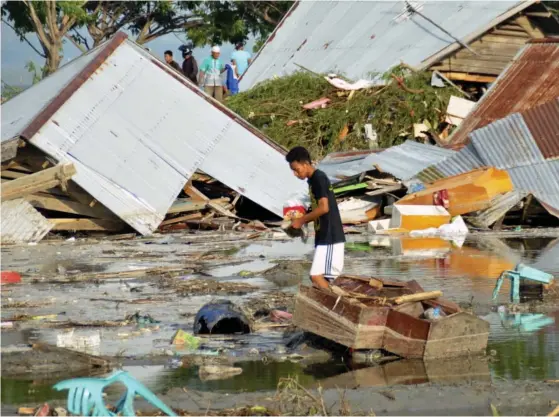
(242, 58)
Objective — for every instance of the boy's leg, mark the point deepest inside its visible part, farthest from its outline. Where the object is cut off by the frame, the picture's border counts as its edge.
(335, 265)
(318, 268)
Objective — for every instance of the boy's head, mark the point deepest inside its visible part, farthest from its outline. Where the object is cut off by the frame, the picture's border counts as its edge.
(299, 160)
(168, 57)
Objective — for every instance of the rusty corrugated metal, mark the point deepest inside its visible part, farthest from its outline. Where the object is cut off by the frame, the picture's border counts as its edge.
(543, 123)
(21, 223)
(530, 80)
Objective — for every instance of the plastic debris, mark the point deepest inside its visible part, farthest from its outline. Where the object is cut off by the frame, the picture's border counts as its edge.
(184, 339)
(220, 317)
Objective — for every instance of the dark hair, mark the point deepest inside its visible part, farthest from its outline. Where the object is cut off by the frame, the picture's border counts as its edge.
(298, 154)
(168, 53)
(239, 45)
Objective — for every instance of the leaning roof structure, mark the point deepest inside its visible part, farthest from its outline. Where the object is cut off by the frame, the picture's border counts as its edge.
(530, 80)
(136, 130)
(357, 38)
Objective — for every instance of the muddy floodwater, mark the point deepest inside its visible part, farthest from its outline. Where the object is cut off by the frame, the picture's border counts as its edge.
(70, 288)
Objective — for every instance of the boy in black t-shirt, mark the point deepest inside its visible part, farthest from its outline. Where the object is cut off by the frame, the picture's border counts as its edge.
(329, 233)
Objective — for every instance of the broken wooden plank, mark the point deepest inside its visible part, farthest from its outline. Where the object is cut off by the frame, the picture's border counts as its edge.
(179, 219)
(221, 209)
(185, 205)
(497, 209)
(384, 190)
(12, 175)
(42, 180)
(88, 224)
(64, 205)
(194, 193)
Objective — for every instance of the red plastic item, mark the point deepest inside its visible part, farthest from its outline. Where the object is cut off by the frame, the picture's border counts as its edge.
(9, 277)
(43, 411)
(300, 209)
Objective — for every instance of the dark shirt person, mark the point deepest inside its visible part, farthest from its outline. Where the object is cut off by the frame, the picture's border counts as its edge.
(329, 242)
(189, 65)
(172, 63)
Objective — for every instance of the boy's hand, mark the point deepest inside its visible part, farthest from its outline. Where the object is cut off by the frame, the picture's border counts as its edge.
(297, 223)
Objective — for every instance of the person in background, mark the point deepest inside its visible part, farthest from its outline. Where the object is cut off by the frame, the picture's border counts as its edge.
(210, 74)
(241, 57)
(189, 65)
(232, 79)
(329, 240)
(169, 60)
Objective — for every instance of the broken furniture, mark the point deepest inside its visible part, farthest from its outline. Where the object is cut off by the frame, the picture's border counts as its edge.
(85, 395)
(371, 313)
(521, 272)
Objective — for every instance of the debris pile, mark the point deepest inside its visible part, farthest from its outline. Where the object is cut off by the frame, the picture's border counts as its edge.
(307, 109)
(71, 163)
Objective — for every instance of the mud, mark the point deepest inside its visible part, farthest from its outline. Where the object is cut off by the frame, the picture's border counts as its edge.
(145, 276)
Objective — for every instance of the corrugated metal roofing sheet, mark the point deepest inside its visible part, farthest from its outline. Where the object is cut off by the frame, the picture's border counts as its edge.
(21, 223)
(509, 144)
(357, 38)
(530, 80)
(408, 159)
(403, 161)
(506, 143)
(136, 131)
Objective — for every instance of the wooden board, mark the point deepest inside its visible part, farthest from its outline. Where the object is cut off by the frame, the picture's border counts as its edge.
(66, 205)
(88, 225)
(193, 216)
(42, 180)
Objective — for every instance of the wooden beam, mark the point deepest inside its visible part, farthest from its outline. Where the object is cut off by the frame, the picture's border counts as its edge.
(194, 193)
(531, 29)
(511, 33)
(42, 180)
(12, 175)
(193, 216)
(65, 205)
(184, 205)
(87, 224)
(222, 210)
(538, 14)
(462, 76)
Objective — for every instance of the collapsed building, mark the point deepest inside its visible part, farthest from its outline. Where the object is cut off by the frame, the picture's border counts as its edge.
(113, 137)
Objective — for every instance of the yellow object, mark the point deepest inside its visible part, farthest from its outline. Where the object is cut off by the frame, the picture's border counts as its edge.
(415, 217)
(469, 192)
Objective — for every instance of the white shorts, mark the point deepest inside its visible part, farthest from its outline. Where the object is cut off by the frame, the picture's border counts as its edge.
(328, 261)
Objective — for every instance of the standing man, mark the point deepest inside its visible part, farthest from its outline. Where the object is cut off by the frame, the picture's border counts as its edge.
(169, 60)
(189, 65)
(329, 239)
(210, 75)
(241, 57)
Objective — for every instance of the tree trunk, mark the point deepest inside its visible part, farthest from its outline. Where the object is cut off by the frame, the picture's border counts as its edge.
(52, 61)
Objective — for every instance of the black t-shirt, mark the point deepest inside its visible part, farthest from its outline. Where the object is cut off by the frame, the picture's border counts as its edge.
(328, 227)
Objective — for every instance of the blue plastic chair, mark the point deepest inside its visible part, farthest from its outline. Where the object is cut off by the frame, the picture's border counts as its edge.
(85, 395)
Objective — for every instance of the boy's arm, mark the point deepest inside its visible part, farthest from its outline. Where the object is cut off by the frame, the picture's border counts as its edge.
(320, 190)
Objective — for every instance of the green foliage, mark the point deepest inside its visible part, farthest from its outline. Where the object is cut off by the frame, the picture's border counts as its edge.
(391, 110)
(234, 21)
(37, 76)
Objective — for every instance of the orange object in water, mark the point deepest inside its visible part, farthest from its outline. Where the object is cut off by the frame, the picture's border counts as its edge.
(467, 192)
(418, 217)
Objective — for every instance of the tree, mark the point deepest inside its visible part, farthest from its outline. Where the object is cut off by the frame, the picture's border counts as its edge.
(202, 21)
(234, 21)
(147, 20)
(49, 20)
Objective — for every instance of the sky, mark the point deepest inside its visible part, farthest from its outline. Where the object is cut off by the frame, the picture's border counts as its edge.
(15, 54)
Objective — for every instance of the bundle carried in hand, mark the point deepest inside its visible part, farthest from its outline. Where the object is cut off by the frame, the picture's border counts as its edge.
(290, 213)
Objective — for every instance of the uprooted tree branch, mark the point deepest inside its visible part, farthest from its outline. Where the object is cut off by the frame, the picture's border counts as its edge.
(276, 107)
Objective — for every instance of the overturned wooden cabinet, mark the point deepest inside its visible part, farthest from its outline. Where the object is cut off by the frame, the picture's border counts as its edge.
(366, 317)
